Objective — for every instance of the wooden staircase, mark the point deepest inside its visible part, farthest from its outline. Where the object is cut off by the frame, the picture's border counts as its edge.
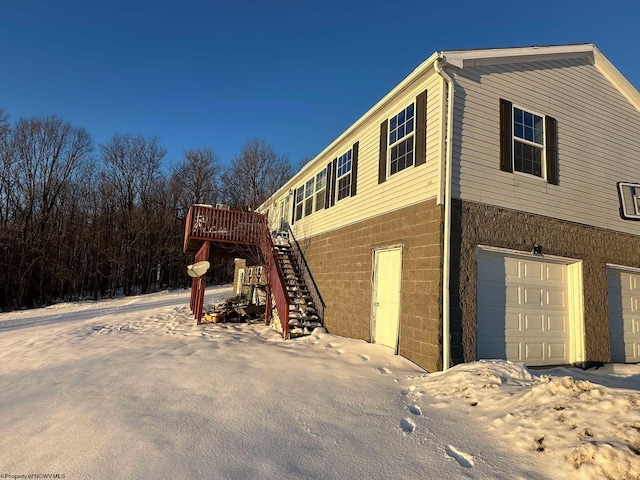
(231, 233)
(303, 314)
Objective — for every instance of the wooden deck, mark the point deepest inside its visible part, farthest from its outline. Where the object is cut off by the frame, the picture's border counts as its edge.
(231, 233)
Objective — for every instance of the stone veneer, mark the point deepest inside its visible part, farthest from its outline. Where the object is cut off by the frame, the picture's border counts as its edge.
(341, 262)
(477, 224)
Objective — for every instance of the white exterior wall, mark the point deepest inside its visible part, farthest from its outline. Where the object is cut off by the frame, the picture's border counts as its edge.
(410, 186)
(598, 140)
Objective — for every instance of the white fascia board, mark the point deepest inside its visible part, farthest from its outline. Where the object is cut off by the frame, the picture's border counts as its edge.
(313, 164)
(619, 81)
(499, 56)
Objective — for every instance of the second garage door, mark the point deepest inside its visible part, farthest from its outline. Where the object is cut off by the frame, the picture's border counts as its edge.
(522, 309)
(624, 314)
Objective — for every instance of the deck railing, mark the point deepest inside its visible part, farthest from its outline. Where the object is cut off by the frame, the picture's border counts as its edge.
(305, 271)
(220, 225)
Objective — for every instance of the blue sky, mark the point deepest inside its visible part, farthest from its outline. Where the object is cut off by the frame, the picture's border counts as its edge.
(198, 73)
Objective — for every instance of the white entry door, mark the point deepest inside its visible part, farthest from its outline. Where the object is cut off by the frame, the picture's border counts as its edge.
(522, 309)
(624, 314)
(386, 296)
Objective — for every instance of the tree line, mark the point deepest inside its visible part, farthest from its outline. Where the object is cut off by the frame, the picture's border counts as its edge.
(80, 220)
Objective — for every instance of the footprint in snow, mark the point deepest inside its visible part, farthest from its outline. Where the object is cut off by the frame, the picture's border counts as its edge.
(364, 358)
(415, 410)
(463, 459)
(383, 370)
(407, 425)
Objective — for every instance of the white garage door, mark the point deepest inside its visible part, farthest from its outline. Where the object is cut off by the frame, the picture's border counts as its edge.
(522, 309)
(624, 316)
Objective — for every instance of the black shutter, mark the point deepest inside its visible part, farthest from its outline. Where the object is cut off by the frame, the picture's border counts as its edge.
(421, 129)
(354, 169)
(382, 160)
(551, 134)
(293, 209)
(327, 190)
(506, 125)
(334, 169)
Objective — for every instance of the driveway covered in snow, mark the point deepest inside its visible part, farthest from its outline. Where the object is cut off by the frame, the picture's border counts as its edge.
(132, 388)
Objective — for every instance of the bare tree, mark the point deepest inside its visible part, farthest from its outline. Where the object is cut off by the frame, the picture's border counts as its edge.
(197, 177)
(255, 174)
(132, 166)
(48, 152)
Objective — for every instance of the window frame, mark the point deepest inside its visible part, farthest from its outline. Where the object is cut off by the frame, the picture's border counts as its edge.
(309, 194)
(345, 176)
(403, 139)
(298, 203)
(320, 192)
(542, 147)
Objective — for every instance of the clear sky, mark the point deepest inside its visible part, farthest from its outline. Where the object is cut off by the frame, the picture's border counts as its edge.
(215, 73)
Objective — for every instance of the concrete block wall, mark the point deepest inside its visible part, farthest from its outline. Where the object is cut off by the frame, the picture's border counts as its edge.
(341, 262)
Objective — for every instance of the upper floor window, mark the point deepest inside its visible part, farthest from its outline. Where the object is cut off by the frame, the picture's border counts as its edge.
(528, 142)
(308, 196)
(321, 186)
(298, 203)
(343, 175)
(401, 140)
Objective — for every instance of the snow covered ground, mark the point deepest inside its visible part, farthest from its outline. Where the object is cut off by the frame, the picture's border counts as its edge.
(132, 388)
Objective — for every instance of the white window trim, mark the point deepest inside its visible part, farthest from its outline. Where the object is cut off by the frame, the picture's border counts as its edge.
(543, 167)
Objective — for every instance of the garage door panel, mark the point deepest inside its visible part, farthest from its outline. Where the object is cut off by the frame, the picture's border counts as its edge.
(557, 351)
(533, 296)
(624, 317)
(556, 298)
(557, 323)
(527, 300)
(534, 352)
(534, 323)
(533, 271)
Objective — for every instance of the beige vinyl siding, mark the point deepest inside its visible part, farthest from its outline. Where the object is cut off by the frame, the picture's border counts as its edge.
(410, 186)
(598, 140)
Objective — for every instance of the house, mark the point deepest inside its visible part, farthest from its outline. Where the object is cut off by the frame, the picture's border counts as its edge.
(484, 208)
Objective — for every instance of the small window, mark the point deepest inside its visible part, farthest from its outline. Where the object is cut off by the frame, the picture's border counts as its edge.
(401, 140)
(250, 276)
(321, 186)
(528, 143)
(343, 175)
(308, 196)
(299, 199)
(259, 274)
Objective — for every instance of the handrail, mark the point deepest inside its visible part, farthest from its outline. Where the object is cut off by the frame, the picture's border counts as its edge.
(275, 278)
(314, 292)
